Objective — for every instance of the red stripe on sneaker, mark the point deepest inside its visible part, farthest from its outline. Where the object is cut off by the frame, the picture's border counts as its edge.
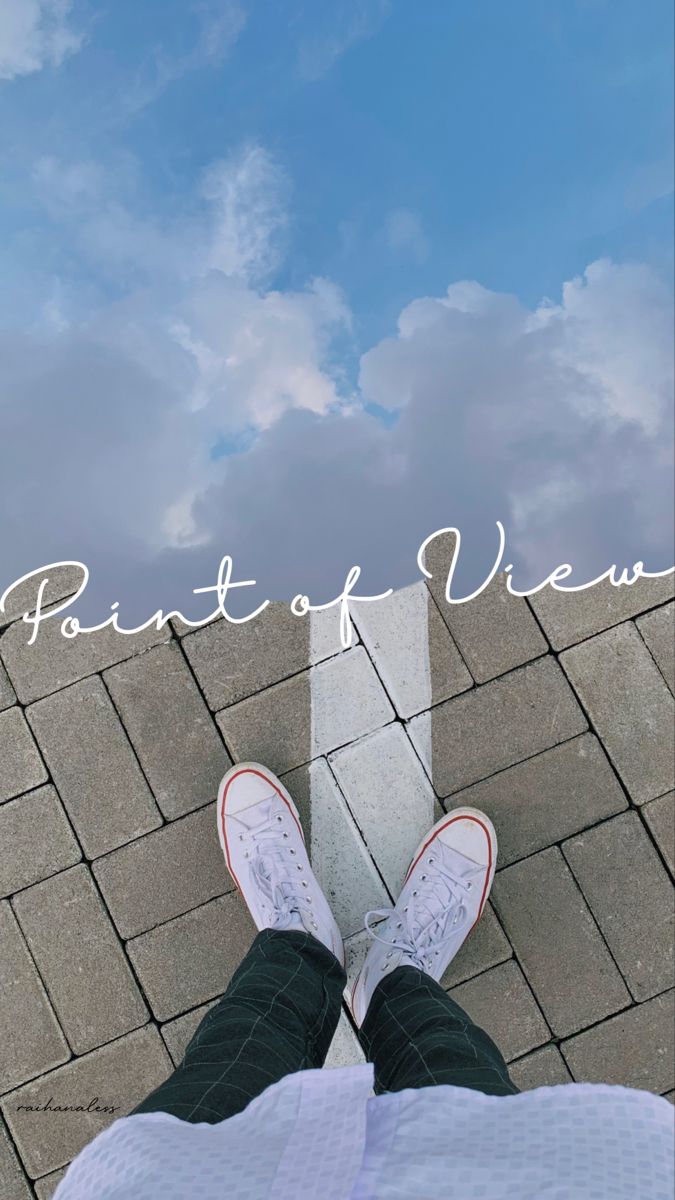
(261, 775)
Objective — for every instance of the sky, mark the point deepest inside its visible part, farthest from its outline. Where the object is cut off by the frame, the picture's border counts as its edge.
(302, 283)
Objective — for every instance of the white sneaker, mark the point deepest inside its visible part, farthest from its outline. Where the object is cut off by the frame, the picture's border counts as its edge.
(444, 893)
(264, 846)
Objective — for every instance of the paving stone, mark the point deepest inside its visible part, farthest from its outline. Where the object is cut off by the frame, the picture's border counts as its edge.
(412, 649)
(232, 662)
(670, 1096)
(13, 1182)
(501, 1003)
(179, 1032)
(191, 959)
(660, 817)
(345, 1048)
(485, 947)
(496, 725)
(21, 767)
(29, 1033)
(308, 716)
(45, 1187)
(61, 583)
(548, 923)
(546, 798)
(389, 797)
(637, 921)
(118, 1075)
(35, 840)
(658, 631)
(80, 959)
(630, 706)
(569, 617)
(170, 728)
(543, 1068)
(164, 874)
(94, 768)
(495, 631)
(635, 1048)
(338, 854)
(7, 695)
(55, 661)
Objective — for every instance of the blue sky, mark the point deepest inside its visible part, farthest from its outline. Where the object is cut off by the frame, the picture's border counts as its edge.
(389, 149)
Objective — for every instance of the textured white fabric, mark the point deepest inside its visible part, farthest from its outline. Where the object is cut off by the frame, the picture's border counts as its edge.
(323, 1134)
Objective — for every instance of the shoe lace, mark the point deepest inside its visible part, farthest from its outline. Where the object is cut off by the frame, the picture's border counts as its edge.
(275, 870)
(434, 915)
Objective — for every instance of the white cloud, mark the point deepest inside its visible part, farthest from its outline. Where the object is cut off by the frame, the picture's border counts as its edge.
(34, 34)
(554, 419)
(347, 24)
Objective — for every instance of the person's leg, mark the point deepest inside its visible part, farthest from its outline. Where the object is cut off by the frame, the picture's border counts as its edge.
(417, 1036)
(410, 1029)
(281, 1008)
(277, 1016)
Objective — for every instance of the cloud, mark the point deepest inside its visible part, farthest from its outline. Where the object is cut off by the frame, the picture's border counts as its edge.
(196, 410)
(35, 34)
(405, 235)
(348, 24)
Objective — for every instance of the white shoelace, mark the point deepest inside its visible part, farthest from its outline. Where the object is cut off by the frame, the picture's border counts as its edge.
(433, 916)
(277, 873)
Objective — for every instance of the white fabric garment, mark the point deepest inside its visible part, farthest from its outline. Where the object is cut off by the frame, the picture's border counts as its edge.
(323, 1134)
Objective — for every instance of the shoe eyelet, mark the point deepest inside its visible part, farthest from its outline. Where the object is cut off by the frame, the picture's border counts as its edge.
(469, 886)
(400, 925)
(424, 879)
(241, 837)
(414, 893)
(292, 850)
(285, 834)
(430, 861)
(305, 883)
(298, 866)
(314, 925)
(246, 854)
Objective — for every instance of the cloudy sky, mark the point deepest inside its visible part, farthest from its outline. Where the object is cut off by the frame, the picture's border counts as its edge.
(303, 282)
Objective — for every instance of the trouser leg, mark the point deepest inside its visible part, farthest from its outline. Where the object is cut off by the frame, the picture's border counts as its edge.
(416, 1036)
(277, 1016)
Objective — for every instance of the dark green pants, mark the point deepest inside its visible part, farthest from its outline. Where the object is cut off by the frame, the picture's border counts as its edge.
(279, 1015)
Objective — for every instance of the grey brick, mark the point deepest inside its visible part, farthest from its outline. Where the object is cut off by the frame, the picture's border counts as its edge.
(179, 1032)
(80, 959)
(338, 854)
(496, 725)
(660, 817)
(13, 1182)
(118, 1075)
(555, 938)
(546, 798)
(501, 1003)
(637, 921)
(170, 728)
(191, 959)
(7, 696)
(165, 873)
(634, 1049)
(658, 630)
(345, 1048)
(630, 706)
(495, 631)
(544, 1068)
(61, 582)
(485, 947)
(389, 796)
(94, 767)
(21, 767)
(45, 1187)
(232, 662)
(412, 649)
(55, 661)
(35, 840)
(29, 1034)
(309, 715)
(569, 617)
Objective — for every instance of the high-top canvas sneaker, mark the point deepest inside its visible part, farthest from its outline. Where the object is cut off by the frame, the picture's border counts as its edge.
(264, 846)
(443, 896)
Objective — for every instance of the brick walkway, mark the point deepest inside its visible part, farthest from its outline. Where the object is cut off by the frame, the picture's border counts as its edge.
(120, 924)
